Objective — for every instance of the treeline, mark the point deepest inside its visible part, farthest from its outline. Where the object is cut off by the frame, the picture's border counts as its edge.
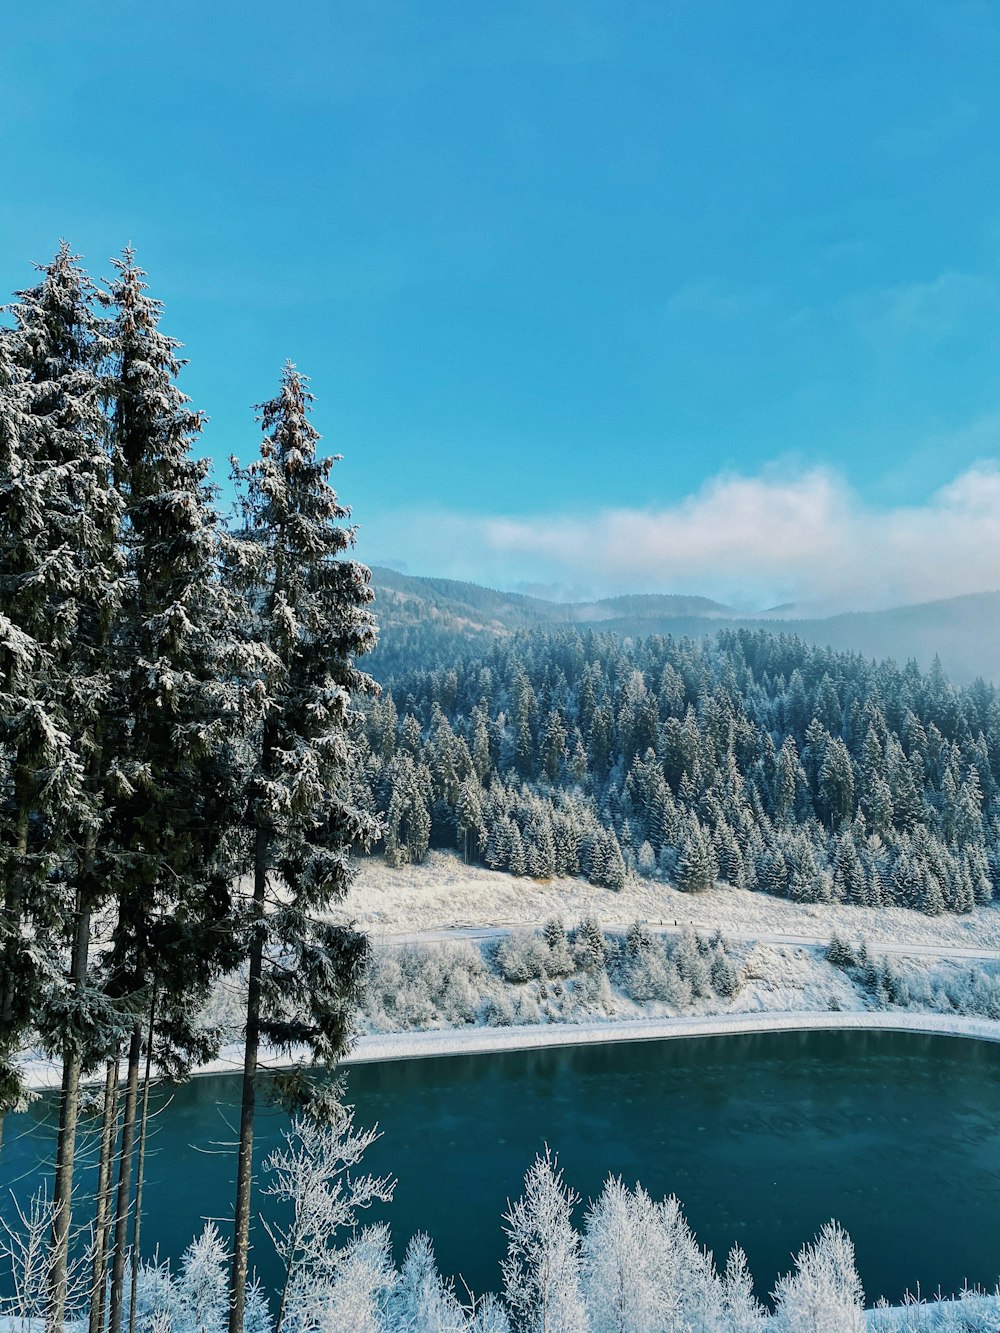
(175, 719)
(749, 758)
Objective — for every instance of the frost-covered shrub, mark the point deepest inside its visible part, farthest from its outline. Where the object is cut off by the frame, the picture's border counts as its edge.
(651, 975)
(356, 1299)
(203, 1289)
(553, 975)
(498, 1012)
(970, 1312)
(726, 975)
(413, 988)
(542, 1269)
(195, 1300)
(824, 1293)
(560, 960)
(594, 995)
(522, 956)
(421, 1298)
(527, 1009)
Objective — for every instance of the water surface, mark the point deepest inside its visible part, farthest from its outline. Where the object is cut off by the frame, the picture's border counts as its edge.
(764, 1137)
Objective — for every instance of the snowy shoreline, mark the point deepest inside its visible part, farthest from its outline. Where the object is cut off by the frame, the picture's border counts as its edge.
(42, 1075)
(481, 1041)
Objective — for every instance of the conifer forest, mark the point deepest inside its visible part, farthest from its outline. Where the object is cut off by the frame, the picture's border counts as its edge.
(203, 737)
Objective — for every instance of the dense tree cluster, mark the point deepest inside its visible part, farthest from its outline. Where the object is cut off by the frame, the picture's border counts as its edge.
(176, 712)
(748, 758)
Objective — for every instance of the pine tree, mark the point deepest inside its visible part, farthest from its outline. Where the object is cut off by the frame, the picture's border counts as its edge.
(470, 823)
(695, 871)
(174, 772)
(553, 745)
(542, 1269)
(309, 612)
(824, 1294)
(588, 945)
(836, 784)
(743, 1312)
(61, 573)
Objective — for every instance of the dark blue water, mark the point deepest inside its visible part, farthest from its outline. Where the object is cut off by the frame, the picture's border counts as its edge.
(763, 1137)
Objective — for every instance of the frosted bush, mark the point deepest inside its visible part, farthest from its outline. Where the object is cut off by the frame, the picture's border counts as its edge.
(693, 965)
(560, 960)
(523, 956)
(823, 1294)
(421, 1299)
(356, 1300)
(498, 1012)
(527, 1009)
(652, 976)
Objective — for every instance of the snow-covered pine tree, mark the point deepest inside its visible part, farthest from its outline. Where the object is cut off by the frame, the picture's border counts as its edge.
(34, 744)
(308, 607)
(177, 797)
(696, 868)
(470, 824)
(743, 1312)
(542, 1270)
(422, 1300)
(61, 575)
(824, 1293)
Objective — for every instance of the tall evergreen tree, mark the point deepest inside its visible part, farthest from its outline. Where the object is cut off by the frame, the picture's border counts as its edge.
(34, 745)
(177, 710)
(309, 610)
(62, 585)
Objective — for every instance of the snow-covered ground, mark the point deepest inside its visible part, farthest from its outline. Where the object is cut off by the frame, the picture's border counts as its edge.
(784, 986)
(443, 892)
(475, 1040)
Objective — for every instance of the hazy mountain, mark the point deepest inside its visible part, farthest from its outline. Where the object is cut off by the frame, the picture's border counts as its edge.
(963, 631)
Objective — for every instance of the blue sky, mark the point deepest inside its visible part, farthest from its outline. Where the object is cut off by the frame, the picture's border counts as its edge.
(691, 296)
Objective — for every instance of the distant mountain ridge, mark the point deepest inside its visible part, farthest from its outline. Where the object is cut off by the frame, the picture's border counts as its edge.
(963, 631)
(513, 610)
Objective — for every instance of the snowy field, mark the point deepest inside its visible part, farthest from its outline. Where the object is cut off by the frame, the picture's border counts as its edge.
(443, 892)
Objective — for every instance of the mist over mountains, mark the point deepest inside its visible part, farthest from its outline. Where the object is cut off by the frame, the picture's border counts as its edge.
(964, 632)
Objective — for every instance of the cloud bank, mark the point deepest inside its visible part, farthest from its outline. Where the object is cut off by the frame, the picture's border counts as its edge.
(807, 538)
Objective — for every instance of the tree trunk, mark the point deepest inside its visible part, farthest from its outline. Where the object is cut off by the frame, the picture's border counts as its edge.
(69, 1107)
(244, 1169)
(13, 899)
(124, 1182)
(102, 1217)
(141, 1166)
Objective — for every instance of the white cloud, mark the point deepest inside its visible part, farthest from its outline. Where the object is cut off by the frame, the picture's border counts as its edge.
(753, 541)
(926, 311)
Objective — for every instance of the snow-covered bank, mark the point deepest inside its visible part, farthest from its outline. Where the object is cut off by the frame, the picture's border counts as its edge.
(42, 1075)
(387, 901)
(475, 1041)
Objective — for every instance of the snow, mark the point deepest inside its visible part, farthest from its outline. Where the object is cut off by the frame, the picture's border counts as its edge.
(444, 892)
(785, 988)
(474, 1040)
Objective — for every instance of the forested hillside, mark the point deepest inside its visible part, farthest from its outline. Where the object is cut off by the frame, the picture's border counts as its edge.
(429, 620)
(748, 757)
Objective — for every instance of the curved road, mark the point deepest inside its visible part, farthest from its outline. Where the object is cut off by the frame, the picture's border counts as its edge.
(459, 931)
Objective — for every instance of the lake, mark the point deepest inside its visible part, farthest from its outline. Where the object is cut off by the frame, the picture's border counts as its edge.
(763, 1137)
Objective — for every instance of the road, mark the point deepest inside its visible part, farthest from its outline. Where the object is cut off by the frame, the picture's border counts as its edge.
(459, 931)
